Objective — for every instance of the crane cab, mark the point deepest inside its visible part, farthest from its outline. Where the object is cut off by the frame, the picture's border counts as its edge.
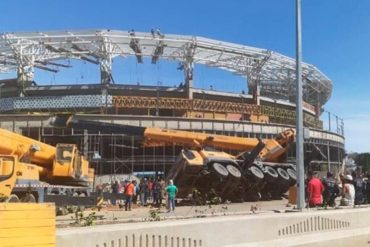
(69, 164)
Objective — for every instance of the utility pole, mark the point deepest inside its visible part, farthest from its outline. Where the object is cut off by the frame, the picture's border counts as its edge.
(299, 111)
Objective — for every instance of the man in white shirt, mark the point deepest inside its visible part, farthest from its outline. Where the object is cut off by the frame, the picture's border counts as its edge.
(348, 191)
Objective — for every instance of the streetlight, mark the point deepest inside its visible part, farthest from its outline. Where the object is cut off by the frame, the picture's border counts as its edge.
(299, 111)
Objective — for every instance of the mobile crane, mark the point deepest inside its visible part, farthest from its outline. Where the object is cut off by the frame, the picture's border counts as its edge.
(257, 169)
(30, 169)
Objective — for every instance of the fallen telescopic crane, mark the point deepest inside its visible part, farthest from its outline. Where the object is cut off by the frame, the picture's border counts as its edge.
(211, 173)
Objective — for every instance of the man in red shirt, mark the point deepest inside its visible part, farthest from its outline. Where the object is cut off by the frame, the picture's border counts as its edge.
(129, 193)
(314, 190)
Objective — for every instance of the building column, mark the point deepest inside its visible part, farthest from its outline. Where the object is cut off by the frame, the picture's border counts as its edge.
(106, 49)
(188, 71)
(25, 74)
(25, 70)
(256, 91)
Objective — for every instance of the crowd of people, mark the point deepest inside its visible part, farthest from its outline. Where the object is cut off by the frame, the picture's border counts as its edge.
(148, 191)
(352, 189)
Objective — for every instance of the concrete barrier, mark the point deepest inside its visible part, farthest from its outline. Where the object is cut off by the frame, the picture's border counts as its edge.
(27, 224)
(344, 227)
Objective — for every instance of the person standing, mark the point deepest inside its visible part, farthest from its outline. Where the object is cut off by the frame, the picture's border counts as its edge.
(150, 189)
(143, 191)
(163, 190)
(348, 191)
(331, 190)
(314, 189)
(114, 187)
(120, 190)
(368, 187)
(136, 192)
(158, 192)
(129, 193)
(360, 188)
(152, 31)
(171, 191)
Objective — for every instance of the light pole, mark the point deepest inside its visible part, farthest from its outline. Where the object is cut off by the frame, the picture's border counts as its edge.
(299, 111)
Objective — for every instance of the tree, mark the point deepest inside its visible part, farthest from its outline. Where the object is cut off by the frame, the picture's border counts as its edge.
(363, 160)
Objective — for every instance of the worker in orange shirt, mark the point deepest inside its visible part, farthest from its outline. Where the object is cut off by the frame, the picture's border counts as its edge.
(129, 193)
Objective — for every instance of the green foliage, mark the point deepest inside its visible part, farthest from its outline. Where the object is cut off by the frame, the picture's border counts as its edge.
(83, 220)
(198, 197)
(206, 198)
(72, 209)
(154, 215)
(215, 200)
(363, 160)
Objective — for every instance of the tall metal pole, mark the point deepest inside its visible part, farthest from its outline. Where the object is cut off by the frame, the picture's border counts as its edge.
(299, 112)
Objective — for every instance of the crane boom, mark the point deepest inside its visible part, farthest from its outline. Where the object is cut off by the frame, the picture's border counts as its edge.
(274, 147)
(26, 148)
(272, 150)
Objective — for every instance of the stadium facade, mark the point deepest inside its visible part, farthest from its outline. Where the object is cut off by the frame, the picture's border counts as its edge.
(265, 110)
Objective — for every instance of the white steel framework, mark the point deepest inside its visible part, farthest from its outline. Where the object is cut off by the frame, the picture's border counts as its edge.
(274, 73)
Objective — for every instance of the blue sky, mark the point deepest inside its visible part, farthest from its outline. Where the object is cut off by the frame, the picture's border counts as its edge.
(336, 39)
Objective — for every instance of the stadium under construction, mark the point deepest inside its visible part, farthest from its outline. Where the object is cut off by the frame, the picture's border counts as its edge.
(264, 110)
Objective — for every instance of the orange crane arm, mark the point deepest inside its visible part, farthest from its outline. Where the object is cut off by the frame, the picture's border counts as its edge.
(273, 149)
(37, 152)
(154, 136)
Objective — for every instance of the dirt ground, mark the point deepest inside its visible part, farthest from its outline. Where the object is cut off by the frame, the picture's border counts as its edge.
(113, 214)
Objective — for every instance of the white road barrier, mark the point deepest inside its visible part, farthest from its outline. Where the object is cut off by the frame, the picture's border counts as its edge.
(343, 227)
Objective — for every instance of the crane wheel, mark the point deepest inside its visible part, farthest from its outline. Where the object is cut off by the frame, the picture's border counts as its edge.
(233, 171)
(283, 174)
(220, 169)
(283, 178)
(255, 174)
(292, 175)
(28, 198)
(12, 198)
(270, 174)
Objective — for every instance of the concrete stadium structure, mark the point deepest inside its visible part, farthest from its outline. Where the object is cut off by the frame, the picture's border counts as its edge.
(267, 108)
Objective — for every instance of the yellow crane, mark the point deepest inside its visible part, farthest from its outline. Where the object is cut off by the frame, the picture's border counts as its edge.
(203, 167)
(28, 167)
